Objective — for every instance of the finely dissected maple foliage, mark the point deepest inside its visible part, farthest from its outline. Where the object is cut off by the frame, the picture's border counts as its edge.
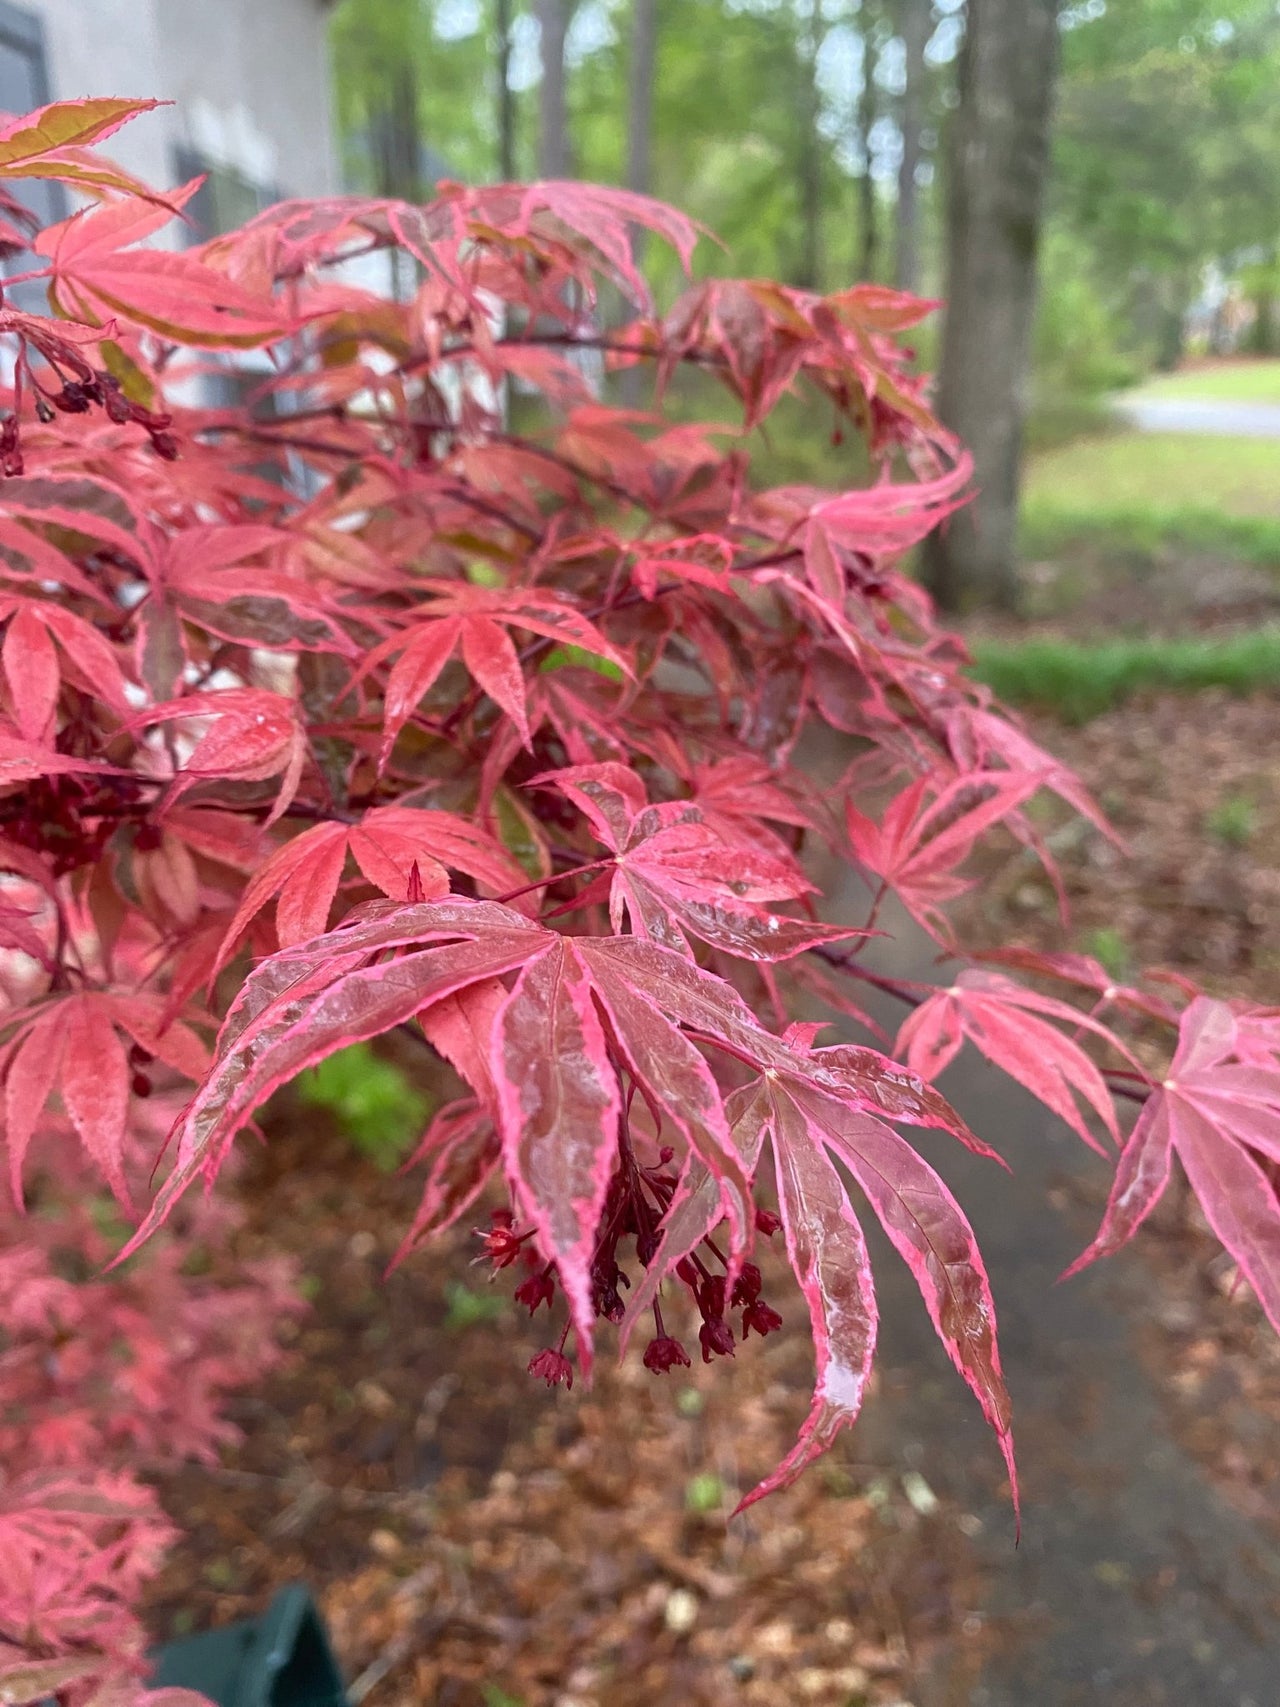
(102, 1376)
(353, 708)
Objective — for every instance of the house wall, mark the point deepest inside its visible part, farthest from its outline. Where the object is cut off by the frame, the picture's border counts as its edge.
(249, 79)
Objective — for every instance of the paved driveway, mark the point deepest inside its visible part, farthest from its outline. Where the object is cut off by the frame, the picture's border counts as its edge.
(1204, 415)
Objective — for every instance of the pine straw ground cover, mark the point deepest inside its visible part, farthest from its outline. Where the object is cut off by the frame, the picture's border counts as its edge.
(477, 1541)
(1193, 785)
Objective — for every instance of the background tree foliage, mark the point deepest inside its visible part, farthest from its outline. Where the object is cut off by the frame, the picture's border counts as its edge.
(767, 126)
(813, 137)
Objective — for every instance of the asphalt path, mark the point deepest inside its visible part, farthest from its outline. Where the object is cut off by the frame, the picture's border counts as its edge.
(1135, 1584)
(1201, 415)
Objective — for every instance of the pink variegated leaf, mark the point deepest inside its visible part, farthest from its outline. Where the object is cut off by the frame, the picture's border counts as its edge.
(1218, 1109)
(389, 842)
(697, 1204)
(413, 675)
(1238, 1198)
(828, 1254)
(916, 849)
(462, 1151)
(31, 674)
(559, 1104)
(927, 1227)
(490, 655)
(872, 1083)
(475, 620)
(23, 761)
(1142, 1173)
(676, 877)
(97, 278)
(32, 1071)
(94, 1081)
(304, 1003)
(1003, 1020)
(27, 141)
(463, 1028)
(677, 1083)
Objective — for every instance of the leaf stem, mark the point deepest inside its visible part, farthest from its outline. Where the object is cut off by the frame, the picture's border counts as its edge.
(556, 877)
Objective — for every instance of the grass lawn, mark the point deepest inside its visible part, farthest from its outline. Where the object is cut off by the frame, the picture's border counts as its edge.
(1146, 491)
(1077, 681)
(1164, 471)
(1223, 382)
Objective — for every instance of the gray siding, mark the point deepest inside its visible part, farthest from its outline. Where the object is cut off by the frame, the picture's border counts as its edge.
(249, 81)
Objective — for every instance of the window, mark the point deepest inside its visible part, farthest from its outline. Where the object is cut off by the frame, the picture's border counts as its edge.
(24, 84)
(224, 201)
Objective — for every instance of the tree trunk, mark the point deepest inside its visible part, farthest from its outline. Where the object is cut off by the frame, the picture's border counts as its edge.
(397, 151)
(644, 50)
(396, 140)
(868, 217)
(505, 93)
(809, 265)
(915, 22)
(553, 124)
(998, 160)
(641, 71)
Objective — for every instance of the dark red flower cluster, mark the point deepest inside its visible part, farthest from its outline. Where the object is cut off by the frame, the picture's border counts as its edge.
(638, 1198)
(79, 387)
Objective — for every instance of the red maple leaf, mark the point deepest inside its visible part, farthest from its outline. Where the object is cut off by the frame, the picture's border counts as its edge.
(1010, 1025)
(672, 873)
(1218, 1110)
(475, 620)
(916, 848)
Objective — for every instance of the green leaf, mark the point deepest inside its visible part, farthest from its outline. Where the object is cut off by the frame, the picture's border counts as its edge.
(561, 656)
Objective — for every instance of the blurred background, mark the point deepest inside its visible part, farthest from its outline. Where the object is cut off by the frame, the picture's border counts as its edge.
(1095, 188)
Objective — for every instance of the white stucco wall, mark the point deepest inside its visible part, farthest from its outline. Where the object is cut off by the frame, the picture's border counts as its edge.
(249, 80)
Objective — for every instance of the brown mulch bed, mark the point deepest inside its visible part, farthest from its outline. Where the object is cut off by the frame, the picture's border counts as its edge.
(1192, 785)
(1198, 890)
(477, 1541)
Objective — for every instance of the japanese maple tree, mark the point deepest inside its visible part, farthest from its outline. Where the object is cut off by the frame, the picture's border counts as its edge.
(350, 709)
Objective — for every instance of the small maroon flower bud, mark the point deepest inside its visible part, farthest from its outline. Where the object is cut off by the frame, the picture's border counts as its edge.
(606, 1301)
(45, 412)
(553, 1366)
(687, 1272)
(665, 1154)
(759, 1316)
(165, 445)
(538, 1289)
(141, 1085)
(501, 1244)
(746, 1288)
(10, 455)
(664, 1354)
(767, 1222)
(711, 1296)
(72, 400)
(716, 1337)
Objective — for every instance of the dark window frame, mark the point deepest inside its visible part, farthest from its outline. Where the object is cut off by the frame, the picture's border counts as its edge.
(25, 31)
(22, 33)
(190, 163)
